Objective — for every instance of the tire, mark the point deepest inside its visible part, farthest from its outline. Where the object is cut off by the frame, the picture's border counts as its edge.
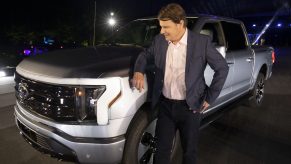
(257, 94)
(140, 142)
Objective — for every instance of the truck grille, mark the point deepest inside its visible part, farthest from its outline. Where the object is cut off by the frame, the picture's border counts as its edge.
(50, 101)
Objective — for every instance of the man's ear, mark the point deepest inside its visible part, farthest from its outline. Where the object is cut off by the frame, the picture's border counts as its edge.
(182, 23)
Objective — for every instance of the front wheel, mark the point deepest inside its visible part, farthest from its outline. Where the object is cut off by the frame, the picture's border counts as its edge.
(141, 142)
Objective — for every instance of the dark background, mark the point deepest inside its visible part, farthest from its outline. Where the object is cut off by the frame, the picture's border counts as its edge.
(71, 21)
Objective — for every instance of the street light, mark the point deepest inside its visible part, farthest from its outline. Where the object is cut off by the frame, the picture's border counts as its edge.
(111, 22)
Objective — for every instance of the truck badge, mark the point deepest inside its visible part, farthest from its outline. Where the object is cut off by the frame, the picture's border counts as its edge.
(23, 91)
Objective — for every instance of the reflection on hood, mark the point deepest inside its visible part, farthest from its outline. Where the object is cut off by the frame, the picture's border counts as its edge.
(91, 62)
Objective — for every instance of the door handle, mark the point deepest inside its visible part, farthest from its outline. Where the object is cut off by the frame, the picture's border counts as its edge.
(230, 63)
(249, 59)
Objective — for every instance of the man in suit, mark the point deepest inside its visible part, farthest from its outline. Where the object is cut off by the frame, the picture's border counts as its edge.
(179, 89)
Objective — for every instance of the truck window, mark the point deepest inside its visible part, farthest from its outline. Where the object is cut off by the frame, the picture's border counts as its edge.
(191, 23)
(234, 36)
(140, 32)
(214, 31)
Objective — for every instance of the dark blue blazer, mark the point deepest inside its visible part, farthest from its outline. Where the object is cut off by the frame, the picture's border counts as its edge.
(200, 51)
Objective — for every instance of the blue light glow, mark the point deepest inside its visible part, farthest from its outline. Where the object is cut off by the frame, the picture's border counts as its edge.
(26, 52)
(254, 25)
(279, 25)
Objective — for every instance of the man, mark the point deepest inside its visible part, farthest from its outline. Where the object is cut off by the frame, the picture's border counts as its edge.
(179, 89)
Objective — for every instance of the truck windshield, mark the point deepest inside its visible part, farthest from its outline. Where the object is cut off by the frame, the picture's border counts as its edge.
(140, 32)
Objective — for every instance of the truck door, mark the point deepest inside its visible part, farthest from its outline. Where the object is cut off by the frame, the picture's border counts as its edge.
(215, 32)
(237, 45)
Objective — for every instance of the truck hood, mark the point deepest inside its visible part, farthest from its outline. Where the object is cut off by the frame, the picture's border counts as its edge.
(91, 62)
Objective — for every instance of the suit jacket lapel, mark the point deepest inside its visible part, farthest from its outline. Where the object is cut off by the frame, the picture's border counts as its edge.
(189, 53)
(164, 48)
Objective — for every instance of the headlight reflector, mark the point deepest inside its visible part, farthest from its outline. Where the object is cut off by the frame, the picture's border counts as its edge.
(86, 101)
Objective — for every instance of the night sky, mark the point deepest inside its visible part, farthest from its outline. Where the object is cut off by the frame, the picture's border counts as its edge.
(39, 16)
(47, 12)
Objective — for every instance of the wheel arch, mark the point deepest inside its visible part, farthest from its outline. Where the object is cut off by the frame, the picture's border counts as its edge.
(264, 70)
(143, 108)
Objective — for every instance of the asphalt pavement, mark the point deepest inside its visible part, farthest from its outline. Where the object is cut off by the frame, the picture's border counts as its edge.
(242, 135)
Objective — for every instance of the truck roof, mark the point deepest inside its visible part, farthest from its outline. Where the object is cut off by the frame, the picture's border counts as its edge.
(201, 16)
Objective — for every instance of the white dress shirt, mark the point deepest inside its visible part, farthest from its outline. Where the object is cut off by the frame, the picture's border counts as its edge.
(174, 80)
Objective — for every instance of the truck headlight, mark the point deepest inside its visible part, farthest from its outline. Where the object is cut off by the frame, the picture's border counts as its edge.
(86, 101)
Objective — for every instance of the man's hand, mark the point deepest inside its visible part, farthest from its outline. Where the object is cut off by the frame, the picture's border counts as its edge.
(138, 81)
(204, 106)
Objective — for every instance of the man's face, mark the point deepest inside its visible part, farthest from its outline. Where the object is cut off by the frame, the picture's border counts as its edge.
(172, 31)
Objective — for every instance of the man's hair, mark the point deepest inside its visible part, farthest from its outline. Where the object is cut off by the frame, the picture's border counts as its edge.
(173, 12)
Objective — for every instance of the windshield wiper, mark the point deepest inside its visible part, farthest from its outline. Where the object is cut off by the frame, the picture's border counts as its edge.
(120, 44)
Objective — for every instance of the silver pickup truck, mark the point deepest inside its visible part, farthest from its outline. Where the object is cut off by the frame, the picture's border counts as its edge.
(79, 104)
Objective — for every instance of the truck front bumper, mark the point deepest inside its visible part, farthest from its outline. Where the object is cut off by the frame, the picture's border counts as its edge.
(50, 140)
